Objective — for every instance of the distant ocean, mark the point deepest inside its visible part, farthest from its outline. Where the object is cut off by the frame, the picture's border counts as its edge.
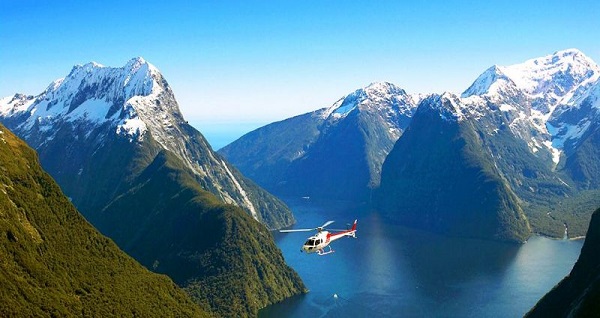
(220, 134)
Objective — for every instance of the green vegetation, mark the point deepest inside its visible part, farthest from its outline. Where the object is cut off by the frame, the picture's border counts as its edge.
(484, 165)
(336, 166)
(551, 197)
(549, 219)
(578, 294)
(265, 154)
(448, 185)
(225, 259)
(157, 210)
(55, 264)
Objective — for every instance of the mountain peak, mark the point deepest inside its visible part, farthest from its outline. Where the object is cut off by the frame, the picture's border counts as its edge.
(555, 77)
(377, 95)
(85, 68)
(125, 96)
(92, 64)
(488, 82)
(555, 74)
(382, 87)
(138, 60)
(572, 53)
(140, 64)
(447, 105)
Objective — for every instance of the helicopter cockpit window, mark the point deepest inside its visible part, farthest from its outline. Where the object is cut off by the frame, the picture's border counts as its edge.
(310, 242)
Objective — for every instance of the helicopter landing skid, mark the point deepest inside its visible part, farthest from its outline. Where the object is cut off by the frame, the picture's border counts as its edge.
(322, 252)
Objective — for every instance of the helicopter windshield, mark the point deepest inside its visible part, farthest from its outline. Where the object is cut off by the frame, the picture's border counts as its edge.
(313, 242)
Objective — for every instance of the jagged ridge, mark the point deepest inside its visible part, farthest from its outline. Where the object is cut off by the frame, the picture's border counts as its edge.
(97, 103)
(332, 153)
(152, 190)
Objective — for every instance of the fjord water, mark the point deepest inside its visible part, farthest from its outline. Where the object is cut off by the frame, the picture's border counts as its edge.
(393, 271)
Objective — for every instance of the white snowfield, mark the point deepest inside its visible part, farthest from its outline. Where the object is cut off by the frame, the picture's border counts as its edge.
(536, 95)
(127, 87)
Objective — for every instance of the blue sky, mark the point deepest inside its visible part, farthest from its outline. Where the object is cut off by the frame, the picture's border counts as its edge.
(261, 61)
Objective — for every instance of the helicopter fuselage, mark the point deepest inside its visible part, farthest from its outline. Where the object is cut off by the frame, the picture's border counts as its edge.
(316, 243)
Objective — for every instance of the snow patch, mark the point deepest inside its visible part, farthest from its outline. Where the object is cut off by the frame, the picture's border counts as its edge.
(381, 97)
(344, 110)
(563, 182)
(556, 75)
(15, 104)
(567, 132)
(93, 110)
(534, 145)
(132, 127)
(554, 151)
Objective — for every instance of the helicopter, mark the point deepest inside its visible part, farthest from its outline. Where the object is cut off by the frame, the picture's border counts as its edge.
(322, 239)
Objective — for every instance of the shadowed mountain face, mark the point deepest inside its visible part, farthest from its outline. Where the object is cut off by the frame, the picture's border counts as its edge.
(526, 136)
(55, 263)
(448, 184)
(332, 153)
(115, 141)
(551, 105)
(226, 260)
(521, 139)
(578, 294)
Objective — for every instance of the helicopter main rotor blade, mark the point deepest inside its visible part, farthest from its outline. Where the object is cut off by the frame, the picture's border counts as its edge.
(296, 230)
(326, 223)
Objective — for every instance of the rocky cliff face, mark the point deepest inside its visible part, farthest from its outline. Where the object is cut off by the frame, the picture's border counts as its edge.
(98, 118)
(551, 105)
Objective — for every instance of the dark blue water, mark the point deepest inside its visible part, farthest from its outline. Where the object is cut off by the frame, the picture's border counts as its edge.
(392, 271)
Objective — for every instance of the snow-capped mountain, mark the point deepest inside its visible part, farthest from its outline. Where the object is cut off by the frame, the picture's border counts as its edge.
(381, 97)
(556, 79)
(333, 152)
(117, 144)
(532, 128)
(96, 95)
(571, 122)
(94, 108)
(540, 95)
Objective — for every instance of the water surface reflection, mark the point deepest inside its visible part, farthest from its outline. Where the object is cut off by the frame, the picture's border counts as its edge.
(391, 271)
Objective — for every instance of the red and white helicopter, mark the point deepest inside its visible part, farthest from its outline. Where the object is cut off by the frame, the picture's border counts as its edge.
(322, 239)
